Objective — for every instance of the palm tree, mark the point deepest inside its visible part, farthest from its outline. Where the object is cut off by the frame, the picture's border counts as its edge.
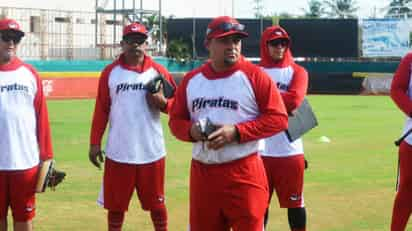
(341, 8)
(316, 9)
(399, 9)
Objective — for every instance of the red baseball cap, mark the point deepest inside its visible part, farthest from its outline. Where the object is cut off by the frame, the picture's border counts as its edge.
(278, 33)
(10, 24)
(224, 26)
(135, 28)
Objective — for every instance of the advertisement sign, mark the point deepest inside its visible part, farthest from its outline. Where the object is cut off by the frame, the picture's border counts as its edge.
(385, 37)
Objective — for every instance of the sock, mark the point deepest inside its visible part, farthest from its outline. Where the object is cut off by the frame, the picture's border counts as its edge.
(159, 218)
(297, 219)
(115, 220)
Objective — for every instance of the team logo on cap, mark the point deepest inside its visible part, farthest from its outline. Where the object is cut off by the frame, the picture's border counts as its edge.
(278, 33)
(135, 28)
(13, 25)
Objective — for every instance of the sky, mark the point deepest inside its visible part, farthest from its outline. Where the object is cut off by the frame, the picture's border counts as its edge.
(201, 8)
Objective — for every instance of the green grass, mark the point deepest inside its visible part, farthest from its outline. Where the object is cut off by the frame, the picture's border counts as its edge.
(349, 184)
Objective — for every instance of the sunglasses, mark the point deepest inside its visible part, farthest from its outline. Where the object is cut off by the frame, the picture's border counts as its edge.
(10, 37)
(131, 40)
(277, 42)
(227, 26)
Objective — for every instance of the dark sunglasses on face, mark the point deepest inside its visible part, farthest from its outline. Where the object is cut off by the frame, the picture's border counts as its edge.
(138, 41)
(10, 37)
(277, 42)
(225, 27)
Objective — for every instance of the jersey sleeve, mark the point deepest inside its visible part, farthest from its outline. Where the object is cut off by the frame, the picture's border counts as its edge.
(179, 116)
(43, 125)
(101, 109)
(296, 92)
(272, 113)
(400, 85)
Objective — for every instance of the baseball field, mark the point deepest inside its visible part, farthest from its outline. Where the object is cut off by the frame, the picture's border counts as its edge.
(350, 183)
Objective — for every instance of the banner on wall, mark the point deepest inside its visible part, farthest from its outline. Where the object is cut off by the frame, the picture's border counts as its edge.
(385, 37)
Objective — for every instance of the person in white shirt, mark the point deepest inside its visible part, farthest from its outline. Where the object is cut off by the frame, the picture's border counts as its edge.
(25, 131)
(228, 186)
(135, 148)
(284, 160)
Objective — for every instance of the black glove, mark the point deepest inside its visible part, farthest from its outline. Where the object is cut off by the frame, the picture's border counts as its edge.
(153, 86)
(206, 127)
(56, 177)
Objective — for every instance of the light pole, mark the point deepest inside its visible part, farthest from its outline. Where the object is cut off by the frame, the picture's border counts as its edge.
(233, 8)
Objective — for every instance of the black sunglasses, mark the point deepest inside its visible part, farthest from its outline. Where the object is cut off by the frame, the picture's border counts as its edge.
(10, 37)
(227, 26)
(277, 42)
(132, 40)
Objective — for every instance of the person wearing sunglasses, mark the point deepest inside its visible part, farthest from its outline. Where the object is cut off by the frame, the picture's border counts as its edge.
(25, 130)
(284, 160)
(135, 148)
(224, 108)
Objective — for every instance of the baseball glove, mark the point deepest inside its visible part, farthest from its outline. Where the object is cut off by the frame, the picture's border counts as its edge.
(207, 127)
(48, 176)
(153, 86)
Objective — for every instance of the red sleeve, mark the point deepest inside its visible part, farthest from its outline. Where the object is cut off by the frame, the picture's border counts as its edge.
(296, 92)
(272, 118)
(102, 108)
(179, 117)
(400, 85)
(170, 79)
(43, 125)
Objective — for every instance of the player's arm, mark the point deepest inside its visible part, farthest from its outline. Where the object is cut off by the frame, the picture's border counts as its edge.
(400, 85)
(43, 126)
(272, 118)
(180, 123)
(293, 97)
(100, 118)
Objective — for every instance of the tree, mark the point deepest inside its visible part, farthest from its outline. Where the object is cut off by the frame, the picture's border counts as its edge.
(341, 8)
(152, 23)
(399, 9)
(315, 10)
(179, 50)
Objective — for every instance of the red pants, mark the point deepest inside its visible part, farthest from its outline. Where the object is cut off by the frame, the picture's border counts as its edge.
(402, 207)
(229, 195)
(17, 190)
(285, 176)
(121, 179)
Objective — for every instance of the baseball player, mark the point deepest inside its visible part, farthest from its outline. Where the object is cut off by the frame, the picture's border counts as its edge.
(284, 161)
(240, 104)
(25, 133)
(401, 93)
(135, 148)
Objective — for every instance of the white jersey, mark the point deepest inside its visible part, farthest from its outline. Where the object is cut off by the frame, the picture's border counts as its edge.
(279, 144)
(243, 96)
(226, 99)
(19, 87)
(135, 134)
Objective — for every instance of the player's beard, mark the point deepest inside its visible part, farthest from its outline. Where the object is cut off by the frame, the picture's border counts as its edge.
(231, 57)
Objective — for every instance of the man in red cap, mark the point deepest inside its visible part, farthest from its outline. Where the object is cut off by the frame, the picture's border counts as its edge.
(225, 107)
(284, 160)
(135, 148)
(25, 133)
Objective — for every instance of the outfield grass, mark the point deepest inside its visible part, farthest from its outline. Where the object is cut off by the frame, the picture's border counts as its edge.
(349, 184)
